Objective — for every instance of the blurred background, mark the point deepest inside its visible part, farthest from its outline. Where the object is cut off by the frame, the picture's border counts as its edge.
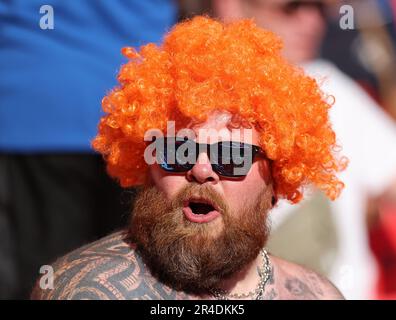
(57, 63)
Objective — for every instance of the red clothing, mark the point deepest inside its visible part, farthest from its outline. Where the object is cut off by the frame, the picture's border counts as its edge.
(383, 245)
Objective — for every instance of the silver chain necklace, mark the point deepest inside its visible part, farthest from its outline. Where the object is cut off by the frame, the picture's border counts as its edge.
(264, 273)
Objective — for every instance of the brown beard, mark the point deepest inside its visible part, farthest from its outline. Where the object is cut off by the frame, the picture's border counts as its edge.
(196, 257)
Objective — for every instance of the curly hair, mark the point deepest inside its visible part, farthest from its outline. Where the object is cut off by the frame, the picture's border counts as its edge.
(205, 65)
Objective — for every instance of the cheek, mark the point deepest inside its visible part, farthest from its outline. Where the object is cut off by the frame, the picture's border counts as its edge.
(242, 192)
(168, 184)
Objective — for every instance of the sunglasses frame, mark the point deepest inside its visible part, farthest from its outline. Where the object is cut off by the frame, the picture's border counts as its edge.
(207, 148)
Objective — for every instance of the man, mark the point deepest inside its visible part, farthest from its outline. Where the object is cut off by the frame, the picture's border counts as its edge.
(330, 238)
(211, 125)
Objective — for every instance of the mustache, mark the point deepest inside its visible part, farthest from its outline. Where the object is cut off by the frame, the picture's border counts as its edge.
(198, 191)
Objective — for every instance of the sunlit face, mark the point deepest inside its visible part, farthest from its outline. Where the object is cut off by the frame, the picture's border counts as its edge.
(300, 24)
(237, 192)
(196, 228)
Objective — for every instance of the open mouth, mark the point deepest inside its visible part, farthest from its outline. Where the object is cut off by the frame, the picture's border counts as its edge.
(200, 210)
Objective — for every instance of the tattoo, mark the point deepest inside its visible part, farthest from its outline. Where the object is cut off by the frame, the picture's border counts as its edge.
(322, 286)
(299, 289)
(314, 279)
(110, 269)
(311, 285)
(107, 269)
(270, 292)
(271, 279)
(271, 295)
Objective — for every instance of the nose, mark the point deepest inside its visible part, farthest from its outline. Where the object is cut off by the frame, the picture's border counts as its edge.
(202, 171)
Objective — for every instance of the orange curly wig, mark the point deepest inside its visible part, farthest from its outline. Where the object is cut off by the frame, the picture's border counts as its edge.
(205, 65)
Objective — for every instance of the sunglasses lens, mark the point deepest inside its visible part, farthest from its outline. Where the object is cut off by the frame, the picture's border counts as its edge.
(234, 159)
(175, 167)
(174, 155)
(231, 170)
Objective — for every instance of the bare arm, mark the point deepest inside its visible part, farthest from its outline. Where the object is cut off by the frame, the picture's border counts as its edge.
(108, 269)
(311, 286)
(293, 282)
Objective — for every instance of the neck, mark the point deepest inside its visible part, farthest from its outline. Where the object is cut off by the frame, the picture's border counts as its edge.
(245, 280)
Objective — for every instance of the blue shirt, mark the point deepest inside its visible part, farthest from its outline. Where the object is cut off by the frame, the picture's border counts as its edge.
(52, 81)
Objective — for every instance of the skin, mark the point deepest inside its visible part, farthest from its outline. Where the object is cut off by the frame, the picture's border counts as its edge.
(238, 192)
(111, 269)
(302, 31)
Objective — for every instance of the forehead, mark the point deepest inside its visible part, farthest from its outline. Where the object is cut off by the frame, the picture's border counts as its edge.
(220, 126)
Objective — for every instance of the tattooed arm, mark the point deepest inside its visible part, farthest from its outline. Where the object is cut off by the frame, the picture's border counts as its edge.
(293, 282)
(108, 269)
(311, 286)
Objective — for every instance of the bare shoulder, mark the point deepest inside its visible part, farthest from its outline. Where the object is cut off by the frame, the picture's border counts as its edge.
(295, 282)
(108, 269)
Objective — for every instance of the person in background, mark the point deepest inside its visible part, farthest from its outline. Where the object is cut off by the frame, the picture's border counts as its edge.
(335, 241)
(368, 52)
(54, 192)
(368, 55)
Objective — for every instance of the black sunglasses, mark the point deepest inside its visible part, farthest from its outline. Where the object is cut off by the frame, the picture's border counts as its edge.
(228, 158)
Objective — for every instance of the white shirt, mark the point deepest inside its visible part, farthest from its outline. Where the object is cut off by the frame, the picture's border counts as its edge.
(368, 138)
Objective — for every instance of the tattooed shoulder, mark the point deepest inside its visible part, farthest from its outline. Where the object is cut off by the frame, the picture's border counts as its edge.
(299, 283)
(107, 269)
